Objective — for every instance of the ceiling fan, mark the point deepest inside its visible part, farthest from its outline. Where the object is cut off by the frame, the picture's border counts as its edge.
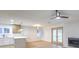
(58, 15)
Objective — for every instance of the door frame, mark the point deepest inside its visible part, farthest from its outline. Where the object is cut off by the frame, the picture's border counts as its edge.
(56, 36)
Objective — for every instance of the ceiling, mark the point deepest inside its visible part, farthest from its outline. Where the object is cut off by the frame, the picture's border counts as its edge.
(30, 17)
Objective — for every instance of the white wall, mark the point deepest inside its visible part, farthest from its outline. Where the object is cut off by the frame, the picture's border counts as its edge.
(71, 29)
(47, 34)
(30, 33)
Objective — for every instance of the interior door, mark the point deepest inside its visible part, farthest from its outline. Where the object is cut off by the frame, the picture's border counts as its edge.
(57, 37)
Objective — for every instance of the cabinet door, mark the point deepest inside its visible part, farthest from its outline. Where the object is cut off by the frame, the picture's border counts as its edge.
(11, 41)
(1, 42)
(8, 41)
(4, 42)
(16, 28)
(20, 43)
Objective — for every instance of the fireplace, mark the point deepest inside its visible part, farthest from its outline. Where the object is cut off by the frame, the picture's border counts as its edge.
(73, 42)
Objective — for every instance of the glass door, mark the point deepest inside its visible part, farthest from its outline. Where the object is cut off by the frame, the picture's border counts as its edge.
(54, 37)
(60, 37)
(57, 37)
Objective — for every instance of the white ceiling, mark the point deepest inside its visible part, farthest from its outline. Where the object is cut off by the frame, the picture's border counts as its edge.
(30, 17)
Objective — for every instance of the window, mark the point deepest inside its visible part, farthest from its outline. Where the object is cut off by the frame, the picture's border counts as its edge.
(0, 30)
(6, 30)
(39, 33)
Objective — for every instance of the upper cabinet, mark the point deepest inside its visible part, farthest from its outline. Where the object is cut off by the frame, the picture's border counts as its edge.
(16, 28)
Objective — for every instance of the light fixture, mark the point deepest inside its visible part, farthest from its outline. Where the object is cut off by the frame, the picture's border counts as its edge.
(37, 25)
(58, 17)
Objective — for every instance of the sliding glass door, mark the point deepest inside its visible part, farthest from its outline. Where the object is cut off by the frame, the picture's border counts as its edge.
(60, 37)
(57, 37)
(54, 37)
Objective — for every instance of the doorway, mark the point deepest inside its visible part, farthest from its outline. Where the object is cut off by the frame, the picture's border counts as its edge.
(57, 37)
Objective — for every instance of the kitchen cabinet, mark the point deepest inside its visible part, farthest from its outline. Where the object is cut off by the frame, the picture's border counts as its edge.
(16, 28)
(6, 41)
(20, 42)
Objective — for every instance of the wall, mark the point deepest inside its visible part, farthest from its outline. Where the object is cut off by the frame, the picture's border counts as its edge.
(47, 34)
(71, 29)
(30, 33)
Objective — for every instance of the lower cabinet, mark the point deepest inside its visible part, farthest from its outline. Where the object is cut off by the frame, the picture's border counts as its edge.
(7, 41)
(20, 43)
(13, 43)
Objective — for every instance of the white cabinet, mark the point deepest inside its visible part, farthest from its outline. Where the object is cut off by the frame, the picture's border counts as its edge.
(7, 41)
(1, 42)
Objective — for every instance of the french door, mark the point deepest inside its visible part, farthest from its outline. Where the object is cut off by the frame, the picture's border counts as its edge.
(57, 37)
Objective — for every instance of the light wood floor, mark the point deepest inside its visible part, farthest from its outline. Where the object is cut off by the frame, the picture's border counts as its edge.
(38, 44)
(34, 44)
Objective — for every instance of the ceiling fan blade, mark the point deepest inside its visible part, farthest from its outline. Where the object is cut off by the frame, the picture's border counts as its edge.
(53, 17)
(64, 17)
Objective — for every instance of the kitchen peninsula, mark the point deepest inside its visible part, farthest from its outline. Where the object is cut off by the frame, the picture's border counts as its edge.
(16, 42)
